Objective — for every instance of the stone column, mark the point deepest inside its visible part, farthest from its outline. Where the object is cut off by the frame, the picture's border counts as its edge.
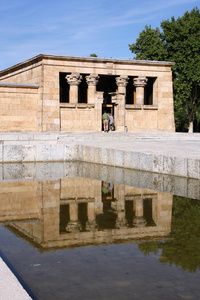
(120, 101)
(139, 220)
(98, 111)
(121, 221)
(92, 80)
(140, 83)
(74, 80)
(91, 223)
(74, 224)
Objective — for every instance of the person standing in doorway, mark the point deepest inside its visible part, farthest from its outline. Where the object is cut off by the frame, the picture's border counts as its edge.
(111, 122)
(105, 119)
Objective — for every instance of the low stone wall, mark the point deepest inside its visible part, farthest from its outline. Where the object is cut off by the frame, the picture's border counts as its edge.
(55, 147)
(47, 171)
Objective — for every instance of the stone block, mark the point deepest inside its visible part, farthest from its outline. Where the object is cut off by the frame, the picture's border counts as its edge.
(180, 166)
(103, 172)
(168, 184)
(193, 168)
(28, 153)
(110, 157)
(135, 159)
(43, 152)
(57, 152)
(1, 153)
(157, 163)
(1, 172)
(168, 165)
(146, 162)
(103, 157)
(193, 189)
(12, 171)
(180, 186)
(70, 152)
(119, 175)
(43, 170)
(157, 182)
(127, 177)
(91, 154)
(28, 170)
(119, 158)
(127, 159)
(12, 153)
(71, 169)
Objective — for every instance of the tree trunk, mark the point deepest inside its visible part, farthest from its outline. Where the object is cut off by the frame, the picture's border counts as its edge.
(190, 128)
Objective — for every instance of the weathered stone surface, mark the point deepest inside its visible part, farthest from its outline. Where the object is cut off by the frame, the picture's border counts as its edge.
(12, 153)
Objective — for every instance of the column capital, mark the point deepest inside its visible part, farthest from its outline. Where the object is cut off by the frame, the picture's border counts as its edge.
(122, 81)
(74, 79)
(73, 226)
(92, 79)
(140, 81)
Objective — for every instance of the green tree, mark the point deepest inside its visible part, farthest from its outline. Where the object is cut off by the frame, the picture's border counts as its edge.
(179, 41)
(150, 45)
(93, 55)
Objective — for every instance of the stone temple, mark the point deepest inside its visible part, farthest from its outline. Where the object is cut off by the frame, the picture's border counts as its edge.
(69, 94)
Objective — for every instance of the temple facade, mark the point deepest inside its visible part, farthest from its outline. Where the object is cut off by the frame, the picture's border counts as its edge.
(70, 94)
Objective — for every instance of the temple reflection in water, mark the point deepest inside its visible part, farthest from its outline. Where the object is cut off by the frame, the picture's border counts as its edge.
(80, 211)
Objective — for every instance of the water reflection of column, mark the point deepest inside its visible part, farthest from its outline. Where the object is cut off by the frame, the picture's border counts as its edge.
(121, 221)
(74, 224)
(138, 220)
(91, 223)
(98, 198)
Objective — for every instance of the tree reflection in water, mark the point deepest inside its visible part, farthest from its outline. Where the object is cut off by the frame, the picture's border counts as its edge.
(183, 249)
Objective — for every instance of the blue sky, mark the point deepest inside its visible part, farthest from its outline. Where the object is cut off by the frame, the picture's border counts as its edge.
(79, 28)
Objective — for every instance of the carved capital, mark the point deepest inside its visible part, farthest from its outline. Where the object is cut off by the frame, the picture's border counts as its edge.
(121, 223)
(73, 226)
(74, 78)
(91, 225)
(140, 81)
(92, 79)
(139, 222)
(122, 81)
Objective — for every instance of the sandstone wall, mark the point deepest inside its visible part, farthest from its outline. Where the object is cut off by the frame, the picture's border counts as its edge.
(18, 108)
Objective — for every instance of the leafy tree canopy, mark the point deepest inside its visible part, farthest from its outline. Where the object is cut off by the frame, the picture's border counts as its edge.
(93, 55)
(179, 41)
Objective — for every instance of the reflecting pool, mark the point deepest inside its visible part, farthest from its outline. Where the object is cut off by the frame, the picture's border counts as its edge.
(84, 231)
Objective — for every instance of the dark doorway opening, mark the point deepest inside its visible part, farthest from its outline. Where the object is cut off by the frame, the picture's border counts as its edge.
(148, 91)
(64, 88)
(82, 89)
(107, 84)
(130, 91)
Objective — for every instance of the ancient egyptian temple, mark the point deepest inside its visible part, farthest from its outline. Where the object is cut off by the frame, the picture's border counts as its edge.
(69, 94)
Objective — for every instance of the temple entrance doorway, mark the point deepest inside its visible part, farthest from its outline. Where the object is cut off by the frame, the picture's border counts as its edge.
(107, 84)
(109, 108)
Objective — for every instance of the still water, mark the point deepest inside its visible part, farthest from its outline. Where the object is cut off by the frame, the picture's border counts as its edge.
(81, 231)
